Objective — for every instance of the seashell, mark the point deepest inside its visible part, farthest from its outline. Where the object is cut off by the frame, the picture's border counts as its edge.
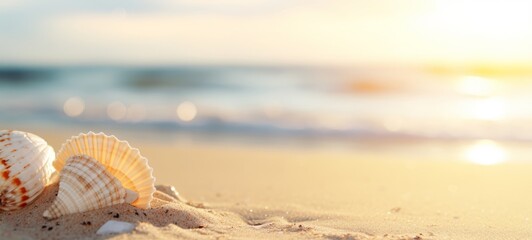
(170, 191)
(119, 158)
(84, 185)
(25, 167)
(113, 227)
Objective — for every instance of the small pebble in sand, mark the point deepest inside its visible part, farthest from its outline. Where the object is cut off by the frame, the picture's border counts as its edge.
(395, 210)
(116, 215)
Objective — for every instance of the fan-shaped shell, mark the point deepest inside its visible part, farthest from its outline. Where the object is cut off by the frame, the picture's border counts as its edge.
(118, 157)
(84, 185)
(25, 168)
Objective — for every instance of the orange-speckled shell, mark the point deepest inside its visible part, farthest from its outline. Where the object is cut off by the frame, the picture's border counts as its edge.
(118, 157)
(25, 167)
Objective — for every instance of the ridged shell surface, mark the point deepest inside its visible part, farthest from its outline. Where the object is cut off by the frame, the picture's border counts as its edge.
(118, 157)
(84, 185)
(25, 168)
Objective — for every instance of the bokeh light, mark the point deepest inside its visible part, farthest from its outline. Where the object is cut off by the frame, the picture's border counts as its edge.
(74, 106)
(485, 152)
(136, 113)
(116, 111)
(186, 111)
(489, 109)
(476, 86)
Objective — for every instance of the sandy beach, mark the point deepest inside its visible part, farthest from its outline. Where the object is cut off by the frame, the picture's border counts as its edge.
(247, 192)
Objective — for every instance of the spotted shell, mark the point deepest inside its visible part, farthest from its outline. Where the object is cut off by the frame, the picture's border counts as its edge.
(84, 185)
(119, 158)
(25, 168)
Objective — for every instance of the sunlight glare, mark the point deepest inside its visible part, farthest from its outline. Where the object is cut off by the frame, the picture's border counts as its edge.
(482, 27)
(484, 16)
(476, 86)
(490, 109)
(485, 152)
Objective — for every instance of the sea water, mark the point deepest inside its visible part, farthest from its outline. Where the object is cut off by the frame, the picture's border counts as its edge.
(262, 102)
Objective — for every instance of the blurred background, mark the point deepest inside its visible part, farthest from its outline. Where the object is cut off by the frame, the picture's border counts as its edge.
(438, 79)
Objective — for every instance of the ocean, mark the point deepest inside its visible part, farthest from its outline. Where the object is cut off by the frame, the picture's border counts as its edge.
(268, 103)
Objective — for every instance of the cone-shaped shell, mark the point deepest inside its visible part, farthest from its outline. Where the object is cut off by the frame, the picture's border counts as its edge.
(84, 185)
(118, 157)
(25, 168)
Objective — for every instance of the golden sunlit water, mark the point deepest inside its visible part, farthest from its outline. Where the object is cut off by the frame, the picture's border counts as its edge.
(476, 86)
(486, 109)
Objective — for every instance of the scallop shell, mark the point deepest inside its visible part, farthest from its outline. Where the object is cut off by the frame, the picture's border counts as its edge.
(84, 185)
(118, 157)
(25, 167)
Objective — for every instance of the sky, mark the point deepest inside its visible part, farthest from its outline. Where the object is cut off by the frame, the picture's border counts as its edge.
(265, 32)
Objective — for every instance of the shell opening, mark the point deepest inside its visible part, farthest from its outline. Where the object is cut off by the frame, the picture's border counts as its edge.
(131, 196)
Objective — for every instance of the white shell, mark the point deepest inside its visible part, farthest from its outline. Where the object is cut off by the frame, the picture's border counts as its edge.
(170, 191)
(84, 185)
(119, 158)
(113, 227)
(25, 168)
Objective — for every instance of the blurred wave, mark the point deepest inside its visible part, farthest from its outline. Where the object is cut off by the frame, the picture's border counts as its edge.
(263, 101)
